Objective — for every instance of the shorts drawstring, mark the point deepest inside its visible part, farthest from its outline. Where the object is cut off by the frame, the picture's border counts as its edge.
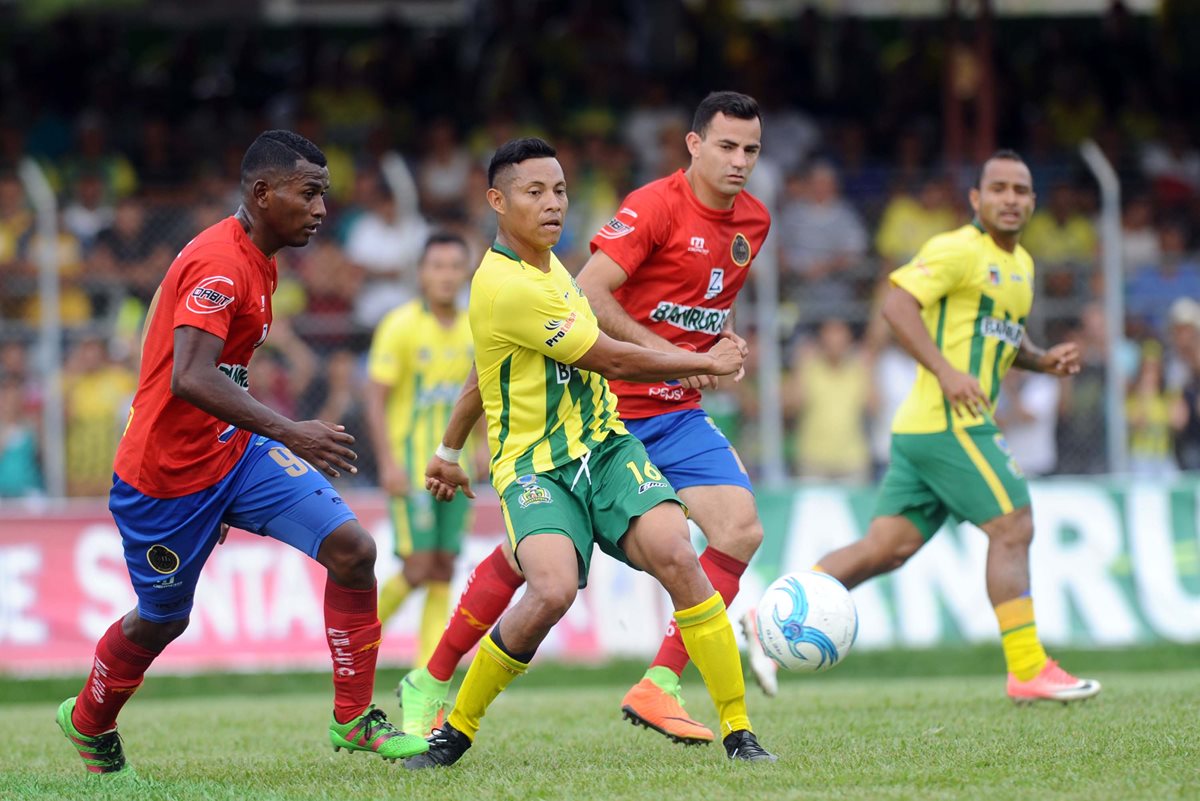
(583, 469)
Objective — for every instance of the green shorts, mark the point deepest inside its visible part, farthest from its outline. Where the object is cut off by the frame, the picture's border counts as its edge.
(968, 473)
(590, 500)
(424, 525)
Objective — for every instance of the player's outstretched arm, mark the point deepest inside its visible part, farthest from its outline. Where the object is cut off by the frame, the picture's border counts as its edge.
(196, 379)
(613, 358)
(1061, 360)
(599, 279)
(963, 391)
(444, 477)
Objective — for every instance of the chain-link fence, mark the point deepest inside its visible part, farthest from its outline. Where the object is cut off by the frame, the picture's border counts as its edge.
(839, 363)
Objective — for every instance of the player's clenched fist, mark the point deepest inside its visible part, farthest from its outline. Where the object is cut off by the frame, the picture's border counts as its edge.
(727, 357)
(323, 445)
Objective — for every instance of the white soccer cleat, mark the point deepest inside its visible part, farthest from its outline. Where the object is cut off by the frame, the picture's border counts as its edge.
(762, 667)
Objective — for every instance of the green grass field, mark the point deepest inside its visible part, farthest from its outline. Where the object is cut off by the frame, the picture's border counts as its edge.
(932, 725)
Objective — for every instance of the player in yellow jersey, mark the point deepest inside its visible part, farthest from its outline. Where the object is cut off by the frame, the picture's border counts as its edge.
(959, 307)
(568, 474)
(420, 357)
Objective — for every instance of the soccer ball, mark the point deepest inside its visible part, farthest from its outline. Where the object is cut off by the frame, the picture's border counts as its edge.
(807, 621)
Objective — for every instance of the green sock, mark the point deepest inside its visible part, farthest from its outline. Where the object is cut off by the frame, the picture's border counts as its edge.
(665, 678)
(424, 681)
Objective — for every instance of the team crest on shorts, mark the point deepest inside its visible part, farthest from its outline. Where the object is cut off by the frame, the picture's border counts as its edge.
(162, 559)
(1013, 467)
(534, 494)
(739, 250)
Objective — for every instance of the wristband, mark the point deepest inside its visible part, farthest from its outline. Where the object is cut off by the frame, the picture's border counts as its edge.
(447, 454)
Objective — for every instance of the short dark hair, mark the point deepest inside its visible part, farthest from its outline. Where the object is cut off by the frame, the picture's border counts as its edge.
(279, 150)
(514, 151)
(1004, 154)
(731, 104)
(442, 238)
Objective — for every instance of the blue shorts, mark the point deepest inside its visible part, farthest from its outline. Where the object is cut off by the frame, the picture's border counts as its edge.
(690, 450)
(269, 491)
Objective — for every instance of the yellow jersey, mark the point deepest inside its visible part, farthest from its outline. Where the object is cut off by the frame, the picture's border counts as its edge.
(425, 363)
(529, 327)
(975, 297)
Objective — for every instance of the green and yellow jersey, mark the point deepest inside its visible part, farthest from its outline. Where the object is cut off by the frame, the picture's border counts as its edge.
(529, 327)
(975, 297)
(425, 363)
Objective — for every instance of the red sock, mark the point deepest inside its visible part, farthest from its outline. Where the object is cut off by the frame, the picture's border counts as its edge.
(353, 629)
(117, 672)
(489, 589)
(725, 573)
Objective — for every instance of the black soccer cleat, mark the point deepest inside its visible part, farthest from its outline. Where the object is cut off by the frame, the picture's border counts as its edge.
(446, 746)
(742, 745)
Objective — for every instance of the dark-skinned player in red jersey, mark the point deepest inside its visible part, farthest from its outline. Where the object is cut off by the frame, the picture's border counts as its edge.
(200, 454)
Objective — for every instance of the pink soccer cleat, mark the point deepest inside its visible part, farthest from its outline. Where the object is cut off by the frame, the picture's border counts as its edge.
(1052, 684)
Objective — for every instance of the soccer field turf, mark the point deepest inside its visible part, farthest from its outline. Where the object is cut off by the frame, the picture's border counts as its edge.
(861, 734)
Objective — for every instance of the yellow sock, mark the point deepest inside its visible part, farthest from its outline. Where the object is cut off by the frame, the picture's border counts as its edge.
(491, 671)
(709, 640)
(1018, 636)
(433, 618)
(392, 595)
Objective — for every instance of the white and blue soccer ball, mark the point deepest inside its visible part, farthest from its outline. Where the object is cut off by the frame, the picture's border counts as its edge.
(807, 621)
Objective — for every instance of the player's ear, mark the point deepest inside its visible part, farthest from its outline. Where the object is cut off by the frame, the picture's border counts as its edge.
(495, 199)
(693, 141)
(973, 196)
(259, 190)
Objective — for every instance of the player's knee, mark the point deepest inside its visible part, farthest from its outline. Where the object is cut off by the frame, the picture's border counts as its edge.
(154, 635)
(1016, 530)
(349, 551)
(443, 568)
(549, 601)
(673, 559)
(887, 551)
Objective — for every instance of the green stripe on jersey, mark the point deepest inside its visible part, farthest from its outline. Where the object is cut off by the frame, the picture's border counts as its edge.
(505, 407)
(941, 341)
(986, 304)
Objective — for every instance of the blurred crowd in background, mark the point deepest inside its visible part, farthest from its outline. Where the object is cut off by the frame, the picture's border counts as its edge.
(143, 149)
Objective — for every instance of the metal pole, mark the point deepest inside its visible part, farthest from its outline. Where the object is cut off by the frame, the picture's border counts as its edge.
(770, 361)
(45, 207)
(1114, 300)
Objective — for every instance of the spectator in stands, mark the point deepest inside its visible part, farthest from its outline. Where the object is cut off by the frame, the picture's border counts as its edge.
(385, 241)
(1173, 166)
(1185, 411)
(1028, 415)
(337, 394)
(1059, 232)
(330, 283)
(89, 212)
(94, 154)
(830, 394)
(1148, 408)
(74, 305)
(893, 372)
(15, 217)
(1140, 245)
(1082, 435)
(97, 393)
(442, 171)
(1183, 342)
(908, 221)
(131, 252)
(822, 241)
(1150, 291)
(19, 472)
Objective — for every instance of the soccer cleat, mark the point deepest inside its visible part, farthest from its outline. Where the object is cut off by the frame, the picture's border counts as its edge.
(743, 746)
(762, 667)
(102, 753)
(422, 701)
(1052, 684)
(446, 746)
(649, 705)
(372, 732)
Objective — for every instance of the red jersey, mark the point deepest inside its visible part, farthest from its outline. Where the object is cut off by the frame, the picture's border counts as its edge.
(686, 263)
(220, 283)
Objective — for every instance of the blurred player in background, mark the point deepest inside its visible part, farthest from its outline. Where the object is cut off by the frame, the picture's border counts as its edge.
(568, 474)
(959, 307)
(664, 274)
(419, 359)
(200, 454)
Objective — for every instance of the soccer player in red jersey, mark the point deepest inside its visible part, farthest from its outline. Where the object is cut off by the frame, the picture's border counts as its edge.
(200, 454)
(664, 274)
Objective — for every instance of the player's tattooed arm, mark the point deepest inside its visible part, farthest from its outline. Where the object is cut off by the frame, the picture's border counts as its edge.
(196, 379)
(1060, 360)
(444, 477)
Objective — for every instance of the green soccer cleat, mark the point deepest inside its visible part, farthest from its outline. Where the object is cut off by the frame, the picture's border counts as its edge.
(372, 732)
(423, 701)
(102, 753)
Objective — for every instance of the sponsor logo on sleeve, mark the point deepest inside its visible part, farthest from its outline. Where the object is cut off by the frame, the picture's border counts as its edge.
(615, 229)
(211, 295)
(563, 326)
(739, 250)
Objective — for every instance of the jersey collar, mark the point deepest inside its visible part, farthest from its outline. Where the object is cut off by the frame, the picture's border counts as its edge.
(504, 250)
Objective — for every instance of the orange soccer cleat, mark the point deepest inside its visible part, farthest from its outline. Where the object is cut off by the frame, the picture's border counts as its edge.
(649, 705)
(1052, 684)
